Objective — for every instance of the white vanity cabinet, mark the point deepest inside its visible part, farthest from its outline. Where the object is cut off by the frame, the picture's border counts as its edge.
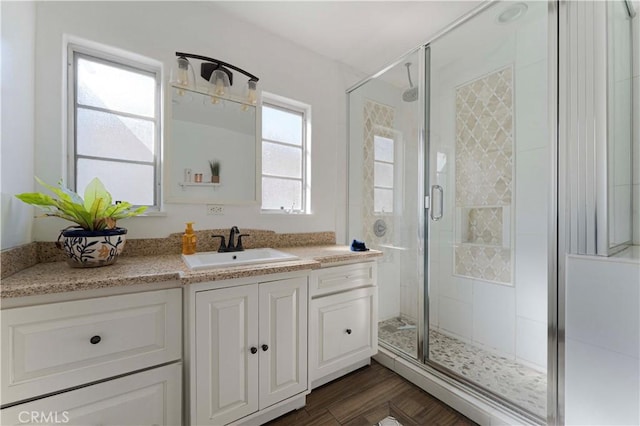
(343, 332)
(249, 350)
(78, 346)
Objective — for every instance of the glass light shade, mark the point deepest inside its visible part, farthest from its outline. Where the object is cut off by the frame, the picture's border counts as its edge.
(183, 74)
(252, 97)
(219, 82)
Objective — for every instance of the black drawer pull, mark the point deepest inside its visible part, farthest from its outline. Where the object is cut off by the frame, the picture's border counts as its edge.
(95, 340)
(265, 348)
(254, 350)
(348, 331)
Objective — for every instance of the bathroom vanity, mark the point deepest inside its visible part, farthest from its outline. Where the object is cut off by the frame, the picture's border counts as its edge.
(250, 342)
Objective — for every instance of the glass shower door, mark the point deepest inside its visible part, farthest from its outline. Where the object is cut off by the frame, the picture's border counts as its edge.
(488, 180)
(384, 192)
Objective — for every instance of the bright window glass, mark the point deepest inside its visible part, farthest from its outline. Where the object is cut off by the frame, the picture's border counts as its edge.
(383, 172)
(284, 153)
(115, 107)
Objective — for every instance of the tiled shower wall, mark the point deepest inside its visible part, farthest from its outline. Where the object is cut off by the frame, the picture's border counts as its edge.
(484, 177)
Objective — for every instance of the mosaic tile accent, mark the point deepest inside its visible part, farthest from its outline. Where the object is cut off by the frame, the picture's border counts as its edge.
(484, 226)
(399, 332)
(485, 262)
(378, 120)
(484, 173)
(484, 140)
(506, 377)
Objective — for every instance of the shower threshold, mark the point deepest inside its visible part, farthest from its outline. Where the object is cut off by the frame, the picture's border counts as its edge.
(505, 377)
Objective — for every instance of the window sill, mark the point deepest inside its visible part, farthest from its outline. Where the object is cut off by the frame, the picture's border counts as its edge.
(153, 213)
(284, 213)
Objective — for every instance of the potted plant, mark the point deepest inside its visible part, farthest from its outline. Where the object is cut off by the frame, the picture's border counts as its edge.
(94, 240)
(214, 165)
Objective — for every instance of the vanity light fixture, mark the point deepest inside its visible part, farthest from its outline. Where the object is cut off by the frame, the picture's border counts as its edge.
(218, 74)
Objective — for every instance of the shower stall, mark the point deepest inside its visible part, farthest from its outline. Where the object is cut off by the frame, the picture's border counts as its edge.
(450, 173)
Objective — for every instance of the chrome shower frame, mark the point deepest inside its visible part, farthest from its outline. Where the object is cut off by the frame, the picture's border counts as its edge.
(557, 232)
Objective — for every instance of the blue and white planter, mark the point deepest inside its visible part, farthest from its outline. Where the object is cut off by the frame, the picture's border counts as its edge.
(90, 249)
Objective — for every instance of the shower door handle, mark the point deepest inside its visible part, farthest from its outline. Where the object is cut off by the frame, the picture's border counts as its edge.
(432, 210)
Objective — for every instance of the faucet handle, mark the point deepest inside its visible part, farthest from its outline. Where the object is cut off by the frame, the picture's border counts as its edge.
(239, 245)
(223, 243)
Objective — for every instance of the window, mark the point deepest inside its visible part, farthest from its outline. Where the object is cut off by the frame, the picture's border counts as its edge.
(115, 125)
(383, 182)
(285, 148)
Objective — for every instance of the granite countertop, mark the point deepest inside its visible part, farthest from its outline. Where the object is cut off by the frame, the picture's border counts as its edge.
(58, 277)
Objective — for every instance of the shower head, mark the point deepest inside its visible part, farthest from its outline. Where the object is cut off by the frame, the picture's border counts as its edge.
(411, 94)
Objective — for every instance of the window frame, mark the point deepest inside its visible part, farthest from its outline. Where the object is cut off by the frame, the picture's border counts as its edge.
(393, 174)
(128, 62)
(304, 110)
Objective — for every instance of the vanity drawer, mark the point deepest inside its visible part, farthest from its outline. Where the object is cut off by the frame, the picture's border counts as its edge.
(52, 347)
(152, 397)
(341, 278)
(343, 330)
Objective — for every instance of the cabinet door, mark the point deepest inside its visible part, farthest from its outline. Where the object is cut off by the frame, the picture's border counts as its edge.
(227, 370)
(148, 398)
(283, 329)
(343, 330)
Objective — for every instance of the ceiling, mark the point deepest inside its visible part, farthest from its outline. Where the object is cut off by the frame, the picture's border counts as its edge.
(365, 35)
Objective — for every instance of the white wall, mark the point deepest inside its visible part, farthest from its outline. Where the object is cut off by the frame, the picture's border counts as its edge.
(602, 359)
(157, 30)
(18, 40)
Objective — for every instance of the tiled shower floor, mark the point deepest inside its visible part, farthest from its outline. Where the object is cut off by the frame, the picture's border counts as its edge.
(509, 379)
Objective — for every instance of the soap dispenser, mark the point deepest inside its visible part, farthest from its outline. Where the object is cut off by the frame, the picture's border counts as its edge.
(189, 240)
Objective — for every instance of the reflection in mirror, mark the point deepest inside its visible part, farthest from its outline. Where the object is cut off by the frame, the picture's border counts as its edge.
(206, 129)
(619, 146)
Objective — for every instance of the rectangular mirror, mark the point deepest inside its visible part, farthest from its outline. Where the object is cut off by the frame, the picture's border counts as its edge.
(205, 129)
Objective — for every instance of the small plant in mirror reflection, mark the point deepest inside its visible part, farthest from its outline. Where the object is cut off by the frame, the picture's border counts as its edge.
(214, 165)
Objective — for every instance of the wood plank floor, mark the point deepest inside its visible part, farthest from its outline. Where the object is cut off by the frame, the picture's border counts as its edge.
(367, 396)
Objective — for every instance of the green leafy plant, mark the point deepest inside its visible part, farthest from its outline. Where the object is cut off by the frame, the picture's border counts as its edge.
(93, 213)
(215, 167)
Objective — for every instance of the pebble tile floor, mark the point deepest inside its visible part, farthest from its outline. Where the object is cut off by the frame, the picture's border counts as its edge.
(513, 381)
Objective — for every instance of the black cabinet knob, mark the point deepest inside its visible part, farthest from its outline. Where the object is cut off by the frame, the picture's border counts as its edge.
(254, 349)
(265, 348)
(348, 331)
(95, 340)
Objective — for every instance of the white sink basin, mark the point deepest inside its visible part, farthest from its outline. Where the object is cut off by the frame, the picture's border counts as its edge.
(213, 259)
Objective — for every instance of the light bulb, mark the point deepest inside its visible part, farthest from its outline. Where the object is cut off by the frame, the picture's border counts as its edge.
(219, 87)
